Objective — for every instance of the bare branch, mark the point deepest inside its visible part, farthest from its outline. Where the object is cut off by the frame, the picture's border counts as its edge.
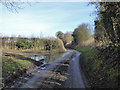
(13, 6)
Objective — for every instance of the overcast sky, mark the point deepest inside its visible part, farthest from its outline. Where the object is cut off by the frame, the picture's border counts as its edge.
(46, 18)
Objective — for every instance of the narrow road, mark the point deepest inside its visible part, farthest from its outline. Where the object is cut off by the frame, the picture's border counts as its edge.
(75, 77)
(64, 72)
(40, 76)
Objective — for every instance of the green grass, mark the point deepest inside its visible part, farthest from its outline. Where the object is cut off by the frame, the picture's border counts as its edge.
(88, 52)
(24, 63)
(112, 73)
(10, 65)
(17, 58)
(82, 49)
(0, 73)
(96, 64)
(91, 54)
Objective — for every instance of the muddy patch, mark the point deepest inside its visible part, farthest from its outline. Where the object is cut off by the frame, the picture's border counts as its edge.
(59, 75)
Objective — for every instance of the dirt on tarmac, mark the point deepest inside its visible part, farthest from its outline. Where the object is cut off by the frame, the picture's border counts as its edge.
(63, 73)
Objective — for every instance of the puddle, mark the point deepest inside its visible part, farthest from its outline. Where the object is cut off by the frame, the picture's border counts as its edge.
(38, 58)
(43, 68)
(46, 59)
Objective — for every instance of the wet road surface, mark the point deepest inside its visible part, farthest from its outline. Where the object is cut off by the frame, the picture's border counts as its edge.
(75, 77)
(72, 77)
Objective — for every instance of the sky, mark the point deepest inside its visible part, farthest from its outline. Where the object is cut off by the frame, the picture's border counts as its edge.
(46, 18)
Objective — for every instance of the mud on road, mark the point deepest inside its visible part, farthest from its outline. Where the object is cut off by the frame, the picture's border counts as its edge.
(63, 73)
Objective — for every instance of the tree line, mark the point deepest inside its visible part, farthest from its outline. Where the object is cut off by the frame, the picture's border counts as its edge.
(107, 31)
(101, 61)
(107, 26)
(81, 35)
(67, 37)
(107, 38)
(21, 43)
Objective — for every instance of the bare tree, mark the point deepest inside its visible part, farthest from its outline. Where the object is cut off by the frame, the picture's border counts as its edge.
(13, 5)
(68, 38)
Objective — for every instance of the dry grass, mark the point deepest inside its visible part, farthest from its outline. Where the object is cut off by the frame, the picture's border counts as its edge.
(61, 46)
(90, 42)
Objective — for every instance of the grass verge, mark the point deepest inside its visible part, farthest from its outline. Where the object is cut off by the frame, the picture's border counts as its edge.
(13, 68)
(99, 69)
